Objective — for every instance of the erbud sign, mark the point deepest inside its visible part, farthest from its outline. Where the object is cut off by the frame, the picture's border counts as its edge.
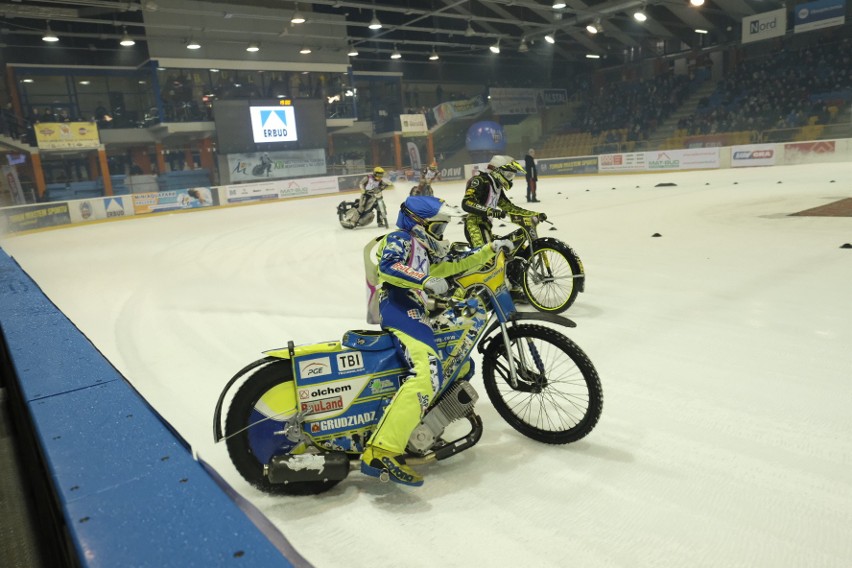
(764, 26)
(273, 124)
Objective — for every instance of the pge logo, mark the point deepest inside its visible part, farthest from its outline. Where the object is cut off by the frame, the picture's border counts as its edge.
(315, 367)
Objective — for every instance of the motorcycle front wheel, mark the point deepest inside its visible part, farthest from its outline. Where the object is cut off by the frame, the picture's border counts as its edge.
(255, 426)
(553, 276)
(558, 398)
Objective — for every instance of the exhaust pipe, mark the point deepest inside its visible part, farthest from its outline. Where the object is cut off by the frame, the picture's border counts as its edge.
(328, 466)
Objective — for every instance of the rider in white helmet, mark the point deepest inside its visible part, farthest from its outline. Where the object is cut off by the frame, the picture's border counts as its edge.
(485, 199)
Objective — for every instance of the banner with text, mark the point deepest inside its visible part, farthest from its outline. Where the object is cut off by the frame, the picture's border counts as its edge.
(627, 162)
(764, 26)
(691, 159)
(67, 135)
(28, 217)
(189, 198)
(413, 124)
(445, 112)
(513, 101)
(820, 14)
(567, 166)
(266, 190)
(276, 165)
(753, 155)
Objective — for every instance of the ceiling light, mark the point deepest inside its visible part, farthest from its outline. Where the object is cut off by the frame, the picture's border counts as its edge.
(84, 82)
(305, 50)
(353, 52)
(594, 27)
(126, 40)
(214, 70)
(192, 44)
(252, 47)
(696, 2)
(297, 18)
(375, 24)
(469, 32)
(523, 48)
(434, 55)
(700, 31)
(495, 48)
(558, 4)
(592, 56)
(49, 36)
(396, 54)
(27, 81)
(549, 38)
(639, 16)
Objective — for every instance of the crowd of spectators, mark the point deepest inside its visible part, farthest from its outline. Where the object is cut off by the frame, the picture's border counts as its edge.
(783, 90)
(637, 107)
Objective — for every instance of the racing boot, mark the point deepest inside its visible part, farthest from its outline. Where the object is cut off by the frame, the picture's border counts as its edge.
(386, 465)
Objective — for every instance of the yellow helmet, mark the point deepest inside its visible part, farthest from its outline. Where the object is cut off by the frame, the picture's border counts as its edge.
(378, 172)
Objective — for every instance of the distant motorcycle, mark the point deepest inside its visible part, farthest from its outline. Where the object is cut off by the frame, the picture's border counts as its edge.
(423, 188)
(350, 216)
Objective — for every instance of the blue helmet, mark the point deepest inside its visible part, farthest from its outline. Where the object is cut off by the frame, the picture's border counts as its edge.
(426, 217)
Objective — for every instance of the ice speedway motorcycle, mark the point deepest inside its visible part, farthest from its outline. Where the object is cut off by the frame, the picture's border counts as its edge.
(301, 415)
(422, 189)
(351, 216)
(549, 272)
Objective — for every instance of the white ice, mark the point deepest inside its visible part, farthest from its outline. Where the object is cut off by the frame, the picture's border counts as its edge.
(724, 348)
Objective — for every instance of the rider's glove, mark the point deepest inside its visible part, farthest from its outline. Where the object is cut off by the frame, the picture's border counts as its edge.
(437, 286)
(541, 217)
(495, 213)
(504, 244)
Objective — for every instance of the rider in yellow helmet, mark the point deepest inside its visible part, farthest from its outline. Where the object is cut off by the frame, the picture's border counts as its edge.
(372, 186)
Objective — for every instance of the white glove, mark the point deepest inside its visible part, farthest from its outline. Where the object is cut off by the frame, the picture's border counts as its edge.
(504, 244)
(437, 285)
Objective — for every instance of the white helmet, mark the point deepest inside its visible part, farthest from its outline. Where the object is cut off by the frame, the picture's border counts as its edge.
(504, 168)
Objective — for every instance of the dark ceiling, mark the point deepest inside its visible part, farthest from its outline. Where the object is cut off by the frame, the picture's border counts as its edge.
(458, 31)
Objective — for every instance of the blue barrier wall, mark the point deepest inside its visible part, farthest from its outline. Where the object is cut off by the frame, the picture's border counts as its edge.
(126, 486)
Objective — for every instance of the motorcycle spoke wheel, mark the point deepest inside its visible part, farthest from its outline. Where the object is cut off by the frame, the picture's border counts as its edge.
(549, 280)
(254, 428)
(558, 398)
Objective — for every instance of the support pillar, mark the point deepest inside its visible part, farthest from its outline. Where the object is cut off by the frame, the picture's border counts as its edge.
(205, 149)
(430, 148)
(375, 147)
(38, 175)
(93, 165)
(161, 158)
(397, 152)
(139, 157)
(102, 159)
(187, 158)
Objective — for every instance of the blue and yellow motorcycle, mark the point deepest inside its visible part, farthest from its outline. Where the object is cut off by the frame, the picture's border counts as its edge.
(301, 416)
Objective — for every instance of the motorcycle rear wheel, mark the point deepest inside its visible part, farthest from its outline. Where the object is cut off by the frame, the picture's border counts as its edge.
(550, 280)
(558, 398)
(243, 447)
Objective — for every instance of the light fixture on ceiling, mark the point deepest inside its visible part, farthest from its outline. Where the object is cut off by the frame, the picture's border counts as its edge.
(523, 48)
(253, 47)
(696, 3)
(49, 36)
(639, 15)
(469, 32)
(192, 44)
(305, 50)
(434, 55)
(353, 52)
(496, 47)
(297, 18)
(126, 40)
(214, 70)
(558, 4)
(594, 27)
(396, 54)
(549, 38)
(700, 31)
(375, 24)
(27, 81)
(592, 56)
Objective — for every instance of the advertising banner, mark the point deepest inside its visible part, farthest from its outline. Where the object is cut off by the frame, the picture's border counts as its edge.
(513, 101)
(445, 112)
(553, 97)
(413, 124)
(798, 152)
(820, 14)
(471, 170)
(764, 26)
(67, 135)
(276, 165)
(567, 166)
(690, 159)
(10, 182)
(413, 156)
(452, 174)
(189, 198)
(753, 155)
(266, 190)
(628, 162)
(31, 217)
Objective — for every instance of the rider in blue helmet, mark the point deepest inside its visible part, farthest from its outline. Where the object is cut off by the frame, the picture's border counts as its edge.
(412, 264)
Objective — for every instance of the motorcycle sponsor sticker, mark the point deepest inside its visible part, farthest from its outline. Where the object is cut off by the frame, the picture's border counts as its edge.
(348, 362)
(311, 394)
(352, 421)
(315, 367)
(322, 405)
(379, 386)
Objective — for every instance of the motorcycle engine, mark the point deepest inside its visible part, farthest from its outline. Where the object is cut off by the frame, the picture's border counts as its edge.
(455, 404)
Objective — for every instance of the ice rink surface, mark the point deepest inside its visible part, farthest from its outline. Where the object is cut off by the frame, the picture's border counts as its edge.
(724, 348)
